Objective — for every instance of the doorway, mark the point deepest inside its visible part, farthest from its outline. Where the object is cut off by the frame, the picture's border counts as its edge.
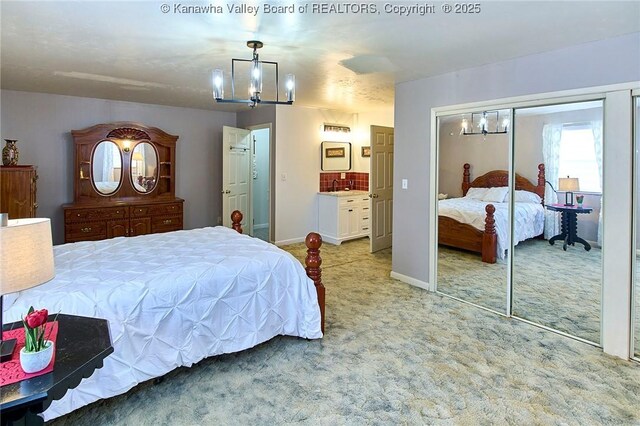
(247, 179)
(260, 182)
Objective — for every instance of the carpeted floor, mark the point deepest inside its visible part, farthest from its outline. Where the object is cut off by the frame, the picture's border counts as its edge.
(557, 288)
(392, 354)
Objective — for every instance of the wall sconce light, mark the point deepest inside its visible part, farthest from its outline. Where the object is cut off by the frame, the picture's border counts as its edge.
(126, 145)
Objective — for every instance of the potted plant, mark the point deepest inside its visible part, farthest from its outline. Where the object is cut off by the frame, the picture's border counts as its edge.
(37, 352)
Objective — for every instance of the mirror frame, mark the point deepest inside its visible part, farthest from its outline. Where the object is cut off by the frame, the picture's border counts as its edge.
(92, 174)
(327, 157)
(156, 175)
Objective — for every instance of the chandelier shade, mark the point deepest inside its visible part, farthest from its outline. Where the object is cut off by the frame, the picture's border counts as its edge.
(255, 81)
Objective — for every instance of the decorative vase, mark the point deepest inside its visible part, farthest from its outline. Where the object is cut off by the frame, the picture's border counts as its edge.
(10, 153)
(32, 362)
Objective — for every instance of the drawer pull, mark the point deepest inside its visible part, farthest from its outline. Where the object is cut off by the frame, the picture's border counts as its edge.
(86, 230)
(350, 210)
(78, 215)
(350, 201)
(365, 229)
(365, 218)
(167, 221)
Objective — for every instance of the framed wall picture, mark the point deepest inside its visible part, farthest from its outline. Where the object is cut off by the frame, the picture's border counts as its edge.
(334, 152)
(366, 151)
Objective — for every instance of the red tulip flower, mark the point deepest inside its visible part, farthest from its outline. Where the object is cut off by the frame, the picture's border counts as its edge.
(34, 329)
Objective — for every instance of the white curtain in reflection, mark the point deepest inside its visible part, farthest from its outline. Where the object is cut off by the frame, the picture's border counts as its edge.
(551, 136)
(596, 128)
(107, 162)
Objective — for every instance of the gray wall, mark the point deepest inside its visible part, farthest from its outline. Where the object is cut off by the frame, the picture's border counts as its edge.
(42, 125)
(610, 61)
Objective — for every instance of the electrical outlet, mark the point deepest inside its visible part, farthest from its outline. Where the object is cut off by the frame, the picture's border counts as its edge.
(343, 175)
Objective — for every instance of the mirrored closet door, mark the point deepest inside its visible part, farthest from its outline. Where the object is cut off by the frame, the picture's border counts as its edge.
(636, 257)
(473, 212)
(557, 227)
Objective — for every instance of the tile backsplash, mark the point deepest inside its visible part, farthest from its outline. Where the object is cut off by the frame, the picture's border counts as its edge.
(360, 181)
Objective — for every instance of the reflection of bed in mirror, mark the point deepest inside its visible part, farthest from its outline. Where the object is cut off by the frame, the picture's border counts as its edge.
(479, 220)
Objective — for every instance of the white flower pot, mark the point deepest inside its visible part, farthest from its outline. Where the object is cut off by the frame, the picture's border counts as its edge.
(32, 362)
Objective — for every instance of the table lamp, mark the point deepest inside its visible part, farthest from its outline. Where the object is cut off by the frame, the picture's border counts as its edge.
(568, 185)
(26, 260)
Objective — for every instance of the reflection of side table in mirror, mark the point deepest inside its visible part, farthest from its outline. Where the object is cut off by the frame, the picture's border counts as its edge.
(569, 230)
(82, 344)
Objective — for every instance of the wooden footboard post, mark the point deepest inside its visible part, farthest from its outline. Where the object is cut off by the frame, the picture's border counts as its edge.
(466, 178)
(489, 238)
(313, 262)
(236, 218)
(541, 182)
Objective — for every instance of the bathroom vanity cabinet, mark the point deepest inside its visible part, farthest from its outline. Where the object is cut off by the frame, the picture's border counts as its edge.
(343, 215)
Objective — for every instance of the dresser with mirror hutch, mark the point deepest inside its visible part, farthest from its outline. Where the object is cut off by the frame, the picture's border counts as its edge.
(124, 183)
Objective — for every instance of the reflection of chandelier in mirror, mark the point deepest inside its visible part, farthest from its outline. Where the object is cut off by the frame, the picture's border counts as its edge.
(255, 81)
(480, 123)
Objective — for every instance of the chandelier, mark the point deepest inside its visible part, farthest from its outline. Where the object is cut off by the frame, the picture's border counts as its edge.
(480, 124)
(255, 81)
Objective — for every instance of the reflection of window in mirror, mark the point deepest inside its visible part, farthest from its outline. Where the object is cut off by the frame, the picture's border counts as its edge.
(578, 157)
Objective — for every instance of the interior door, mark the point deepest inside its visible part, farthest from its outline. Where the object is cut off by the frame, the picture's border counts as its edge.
(236, 175)
(381, 187)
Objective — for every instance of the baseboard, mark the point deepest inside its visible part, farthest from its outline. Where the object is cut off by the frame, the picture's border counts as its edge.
(291, 241)
(261, 226)
(410, 280)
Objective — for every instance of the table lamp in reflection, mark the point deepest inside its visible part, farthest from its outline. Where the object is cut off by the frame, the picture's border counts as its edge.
(568, 185)
(26, 260)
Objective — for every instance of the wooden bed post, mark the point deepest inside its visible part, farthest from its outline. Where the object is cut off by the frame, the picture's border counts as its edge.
(541, 181)
(236, 218)
(313, 262)
(466, 178)
(489, 237)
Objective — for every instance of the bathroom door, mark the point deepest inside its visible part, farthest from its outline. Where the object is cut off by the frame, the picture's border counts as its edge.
(236, 175)
(381, 191)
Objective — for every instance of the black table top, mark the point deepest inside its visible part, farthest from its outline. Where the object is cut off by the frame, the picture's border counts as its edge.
(81, 346)
(575, 208)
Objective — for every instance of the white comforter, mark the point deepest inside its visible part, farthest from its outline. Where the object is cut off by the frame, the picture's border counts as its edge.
(529, 218)
(173, 299)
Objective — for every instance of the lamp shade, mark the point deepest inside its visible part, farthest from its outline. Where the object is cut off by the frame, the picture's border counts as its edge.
(26, 254)
(568, 184)
(137, 156)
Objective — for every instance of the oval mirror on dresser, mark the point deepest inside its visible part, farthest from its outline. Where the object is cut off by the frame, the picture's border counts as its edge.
(144, 167)
(106, 169)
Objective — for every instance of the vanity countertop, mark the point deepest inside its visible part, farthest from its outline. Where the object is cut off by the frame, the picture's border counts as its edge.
(354, 193)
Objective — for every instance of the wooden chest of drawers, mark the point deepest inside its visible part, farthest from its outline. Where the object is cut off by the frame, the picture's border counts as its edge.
(18, 191)
(86, 222)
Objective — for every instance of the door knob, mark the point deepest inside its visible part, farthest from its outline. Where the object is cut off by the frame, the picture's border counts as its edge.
(375, 195)
(370, 195)
(227, 192)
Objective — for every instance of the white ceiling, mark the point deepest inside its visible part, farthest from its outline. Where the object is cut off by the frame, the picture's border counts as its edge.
(132, 51)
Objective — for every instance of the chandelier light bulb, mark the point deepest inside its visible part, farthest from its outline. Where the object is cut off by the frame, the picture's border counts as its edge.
(290, 88)
(218, 84)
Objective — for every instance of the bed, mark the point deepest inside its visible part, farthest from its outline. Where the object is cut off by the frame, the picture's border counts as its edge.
(473, 223)
(173, 299)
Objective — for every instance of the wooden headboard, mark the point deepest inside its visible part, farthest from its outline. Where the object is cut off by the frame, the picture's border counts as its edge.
(501, 178)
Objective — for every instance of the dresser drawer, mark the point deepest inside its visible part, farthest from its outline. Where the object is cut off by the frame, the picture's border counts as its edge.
(162, 209)
(166, 224)
(85, 231)
(83, 215)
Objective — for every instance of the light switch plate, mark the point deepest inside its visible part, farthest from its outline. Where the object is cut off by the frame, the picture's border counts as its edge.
(343, 175)
(405, 183)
